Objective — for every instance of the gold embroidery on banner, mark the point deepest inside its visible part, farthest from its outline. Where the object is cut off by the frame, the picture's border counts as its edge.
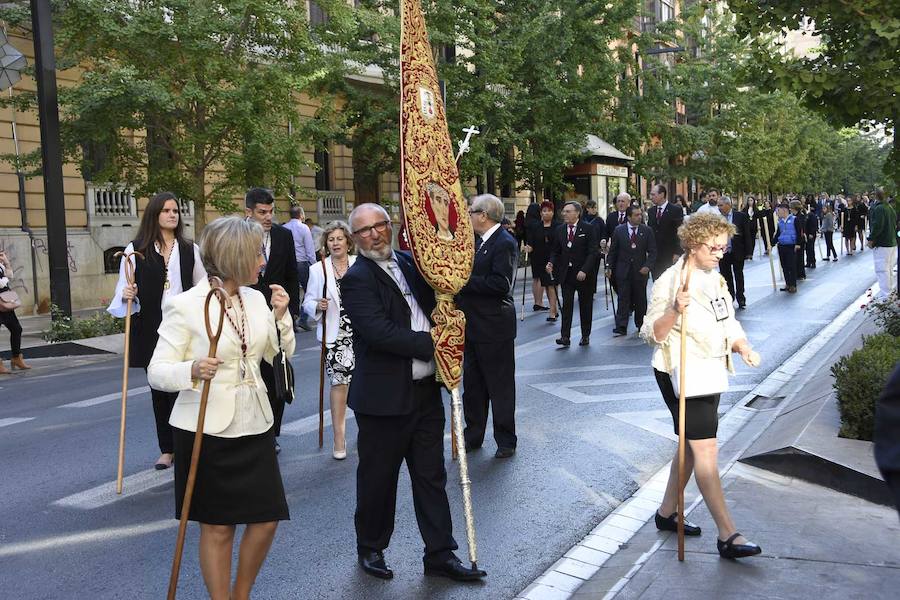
(435, 211)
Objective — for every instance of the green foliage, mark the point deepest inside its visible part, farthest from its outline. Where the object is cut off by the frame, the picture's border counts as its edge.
(853, 76)
(886, 313)
(64, 328)
(213, 85)
(858, 381)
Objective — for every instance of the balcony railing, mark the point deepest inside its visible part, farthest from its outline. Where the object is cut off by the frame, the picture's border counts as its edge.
(110, 202)
(331, 206)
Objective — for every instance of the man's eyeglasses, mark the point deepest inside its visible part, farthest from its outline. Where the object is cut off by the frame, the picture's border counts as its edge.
(475, 212)
(721, 249)
(379, 227)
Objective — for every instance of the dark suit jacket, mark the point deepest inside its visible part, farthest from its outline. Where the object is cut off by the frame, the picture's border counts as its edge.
(666, 231)
(626, 261)
(599, 228)
(612, 221)
(281, 268)
(582, 255)
(487, 297)
(743, 242)
(383, 342)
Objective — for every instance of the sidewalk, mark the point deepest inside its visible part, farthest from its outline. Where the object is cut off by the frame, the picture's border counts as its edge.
(817, 543)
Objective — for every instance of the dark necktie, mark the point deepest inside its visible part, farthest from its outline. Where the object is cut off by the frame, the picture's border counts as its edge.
(633, 234)
(621, 218)
(659, 214)
(571, 232)
(478, 242)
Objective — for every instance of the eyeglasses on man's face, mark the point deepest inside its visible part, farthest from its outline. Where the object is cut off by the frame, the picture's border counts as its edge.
(366, 232)
(475, 211)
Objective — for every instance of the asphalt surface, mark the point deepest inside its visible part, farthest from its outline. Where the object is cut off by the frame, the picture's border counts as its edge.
(592, 428)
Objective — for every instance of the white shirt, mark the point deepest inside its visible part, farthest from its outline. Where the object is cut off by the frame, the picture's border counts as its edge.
(487, 234)
(118, 306)
(418, 320)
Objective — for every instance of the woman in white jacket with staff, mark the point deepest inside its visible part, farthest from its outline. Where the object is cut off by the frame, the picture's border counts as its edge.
(339, 361)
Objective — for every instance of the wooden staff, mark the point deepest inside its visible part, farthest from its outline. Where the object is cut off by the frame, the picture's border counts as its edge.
(215, 290)
(322, 358)
(129, 278)
(605, 285)
(612, 297)
(768, 244)
(524, 280)
(682, 407)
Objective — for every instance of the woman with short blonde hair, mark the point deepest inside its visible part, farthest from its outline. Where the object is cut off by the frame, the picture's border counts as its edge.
(238, 481)
(712, 333)
(337, 332)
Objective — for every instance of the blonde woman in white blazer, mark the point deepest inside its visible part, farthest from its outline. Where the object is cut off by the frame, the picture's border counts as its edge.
(713, 334)
(339, 361)
(238, 480)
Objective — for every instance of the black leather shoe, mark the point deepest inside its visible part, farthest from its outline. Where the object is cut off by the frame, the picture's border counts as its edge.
(472, 447)
(504, 452)
(454, 569)
(742, 305)
(373, 564)
(277, 447)
(585, 341)
(728, 549)
(563, 341)
(671, 524)
(619, 332)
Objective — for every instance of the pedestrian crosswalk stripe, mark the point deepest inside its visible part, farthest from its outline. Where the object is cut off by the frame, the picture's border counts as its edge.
(105, 493)
(106, 398)
(14, 420)
(308, 424)
(101, 535)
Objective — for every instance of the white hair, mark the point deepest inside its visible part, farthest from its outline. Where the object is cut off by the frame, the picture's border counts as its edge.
(366, 207)
(491, 205)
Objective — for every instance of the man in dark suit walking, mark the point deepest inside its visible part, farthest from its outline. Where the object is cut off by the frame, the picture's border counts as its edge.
(592, 218)
(281, 269)
(572, 259)
(396, 400)
(664, 219)
(632, 251)
(489, 366)
(740, 247)
(614, 219)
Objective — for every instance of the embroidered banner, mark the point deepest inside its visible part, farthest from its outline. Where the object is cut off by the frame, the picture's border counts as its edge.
(435, 211)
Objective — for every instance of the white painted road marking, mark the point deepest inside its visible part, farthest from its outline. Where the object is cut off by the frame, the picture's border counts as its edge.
(105, 493)
(106, 398)
(14, 420)
(102, 535)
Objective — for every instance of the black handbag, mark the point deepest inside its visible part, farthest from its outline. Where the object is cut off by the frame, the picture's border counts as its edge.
(284, 373)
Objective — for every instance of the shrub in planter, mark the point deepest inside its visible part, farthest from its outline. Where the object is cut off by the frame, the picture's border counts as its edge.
(886, 313)
(64, 329)
(858, 380)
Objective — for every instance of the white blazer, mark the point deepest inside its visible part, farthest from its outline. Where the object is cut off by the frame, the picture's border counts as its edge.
(314, 292)
(183, 339)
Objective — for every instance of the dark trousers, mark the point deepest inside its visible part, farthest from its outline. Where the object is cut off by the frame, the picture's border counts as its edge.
(585, 291)
(732, 269)
(383, 444)
(786, 256)
(800, 260)
(489, 371)
(811, 252)
(163, 402)
(829, 244)
(268, 377)
(632, 292)
(11, 321)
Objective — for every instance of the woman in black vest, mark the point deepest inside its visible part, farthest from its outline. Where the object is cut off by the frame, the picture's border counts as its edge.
(171, 265)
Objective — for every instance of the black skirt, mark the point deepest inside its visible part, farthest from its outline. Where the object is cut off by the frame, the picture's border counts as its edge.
(701, 419)
(238, 479)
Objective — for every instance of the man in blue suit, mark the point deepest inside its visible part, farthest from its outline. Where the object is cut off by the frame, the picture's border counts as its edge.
(489, 366)
(396, 400)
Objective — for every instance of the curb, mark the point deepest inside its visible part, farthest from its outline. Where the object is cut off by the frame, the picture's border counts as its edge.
(584, 560)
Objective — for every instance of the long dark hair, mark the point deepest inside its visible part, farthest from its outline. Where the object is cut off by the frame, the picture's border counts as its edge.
(149, 231)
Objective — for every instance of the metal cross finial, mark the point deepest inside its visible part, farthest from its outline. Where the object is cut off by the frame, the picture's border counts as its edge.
(464, 144)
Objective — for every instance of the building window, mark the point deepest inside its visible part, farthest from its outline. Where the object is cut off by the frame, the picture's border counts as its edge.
(317, 15)
(110, 261)
(94, 158)
(323, 170)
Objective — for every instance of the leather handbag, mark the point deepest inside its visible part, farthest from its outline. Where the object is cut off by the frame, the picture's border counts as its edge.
(9, 301)
(284, 373)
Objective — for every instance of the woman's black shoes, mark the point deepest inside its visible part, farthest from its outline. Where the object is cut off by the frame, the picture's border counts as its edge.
(728, 549)
(671, 524)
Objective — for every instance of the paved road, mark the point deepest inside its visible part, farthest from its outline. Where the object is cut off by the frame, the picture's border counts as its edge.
(591, 425)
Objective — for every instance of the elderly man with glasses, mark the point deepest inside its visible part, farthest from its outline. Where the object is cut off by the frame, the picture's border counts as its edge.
(396, 400)
(489, 366)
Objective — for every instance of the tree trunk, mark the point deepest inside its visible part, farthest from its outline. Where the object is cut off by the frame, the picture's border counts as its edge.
(199, 200)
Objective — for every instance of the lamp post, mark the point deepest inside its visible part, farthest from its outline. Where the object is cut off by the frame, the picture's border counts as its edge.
(51, 156)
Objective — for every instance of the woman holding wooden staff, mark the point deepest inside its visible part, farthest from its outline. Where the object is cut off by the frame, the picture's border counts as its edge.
(171, 265)
(337, 331)
(238, 480)
(712, 334)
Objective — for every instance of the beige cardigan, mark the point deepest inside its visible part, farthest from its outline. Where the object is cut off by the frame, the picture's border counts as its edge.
(706, 337)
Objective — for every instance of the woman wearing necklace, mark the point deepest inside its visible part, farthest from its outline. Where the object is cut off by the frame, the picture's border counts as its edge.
(238, 480)
(171, 265)
(339, 362)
